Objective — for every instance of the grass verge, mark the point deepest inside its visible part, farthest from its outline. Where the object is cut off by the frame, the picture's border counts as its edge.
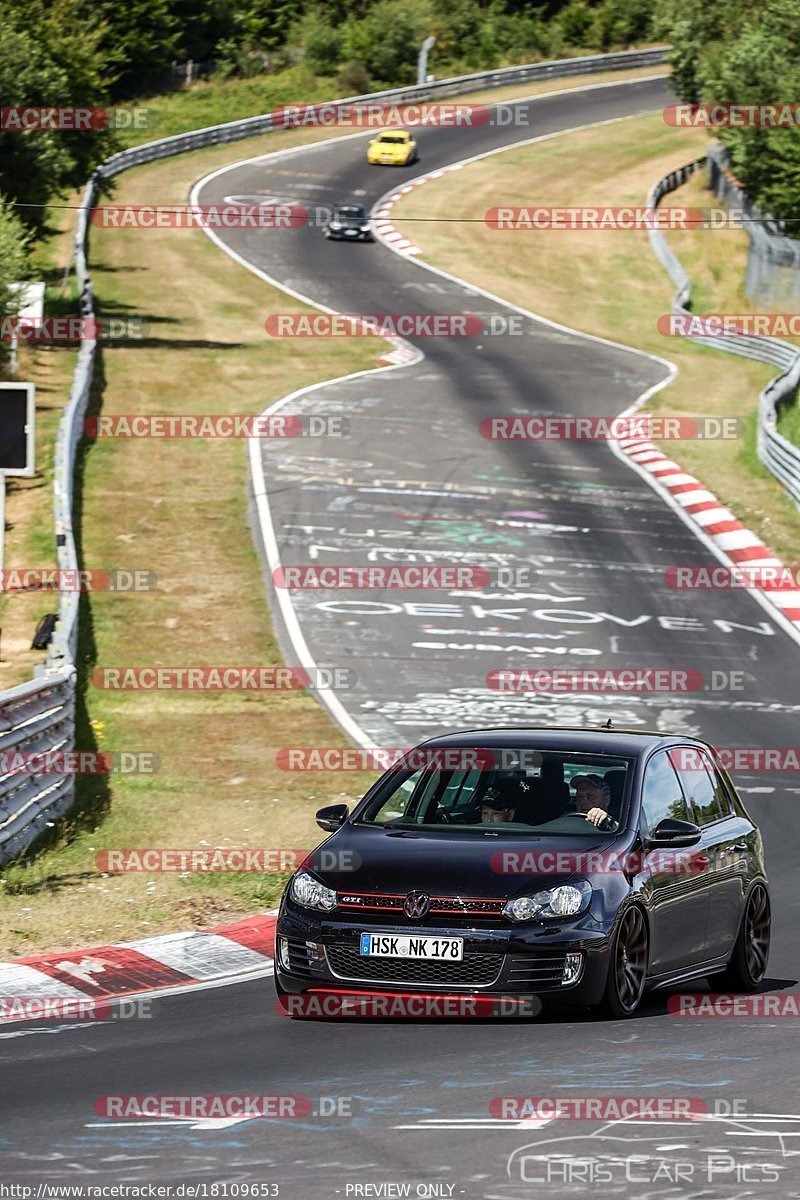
(215, 102)
(29, 538)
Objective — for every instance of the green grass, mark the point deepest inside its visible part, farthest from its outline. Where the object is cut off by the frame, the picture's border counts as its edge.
(215, 102)
(789, 422)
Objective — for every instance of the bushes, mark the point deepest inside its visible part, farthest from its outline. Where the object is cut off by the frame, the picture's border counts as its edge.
(14, 242)
(321, 43)
(353, 80)
(577, 23)
(393, 33)
(385, 38)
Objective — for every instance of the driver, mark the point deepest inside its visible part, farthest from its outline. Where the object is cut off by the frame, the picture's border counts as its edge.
(592, 798)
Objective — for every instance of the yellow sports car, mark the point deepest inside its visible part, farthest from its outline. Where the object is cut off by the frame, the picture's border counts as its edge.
(395, 148)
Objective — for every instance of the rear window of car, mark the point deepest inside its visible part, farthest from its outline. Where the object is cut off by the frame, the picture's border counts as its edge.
(530, 790)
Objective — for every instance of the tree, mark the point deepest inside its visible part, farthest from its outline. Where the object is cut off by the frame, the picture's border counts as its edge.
(762, 66)
(740, 52)
(265, 24)
(393, 41)
(139, 41)
(48, 59)
(320, 41)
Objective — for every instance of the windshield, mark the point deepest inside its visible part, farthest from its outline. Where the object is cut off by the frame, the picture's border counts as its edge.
(394, 139)
(348, 212)
(522, 790)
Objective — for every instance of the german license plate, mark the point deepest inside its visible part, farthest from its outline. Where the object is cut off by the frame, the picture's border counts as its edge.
(406, 945)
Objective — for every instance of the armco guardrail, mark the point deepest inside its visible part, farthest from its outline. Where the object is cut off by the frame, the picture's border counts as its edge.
(40, 715)
(36, 718)
(778, 454)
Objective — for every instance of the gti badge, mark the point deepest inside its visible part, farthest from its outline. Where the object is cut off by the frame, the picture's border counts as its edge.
(417, 905)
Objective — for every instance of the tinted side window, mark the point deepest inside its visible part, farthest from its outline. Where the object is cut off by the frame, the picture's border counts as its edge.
(704, 789)
(722, 800)
(661, 793)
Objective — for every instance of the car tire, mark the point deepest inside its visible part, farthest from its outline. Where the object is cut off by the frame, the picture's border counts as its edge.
(748, 963)
(627, 965)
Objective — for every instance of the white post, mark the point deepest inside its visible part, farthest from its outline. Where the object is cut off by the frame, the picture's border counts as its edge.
(422, 61)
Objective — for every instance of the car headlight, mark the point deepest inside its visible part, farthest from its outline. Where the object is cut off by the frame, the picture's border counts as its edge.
(334, 225)
(365, 228)
(308, 892)
(567, 900)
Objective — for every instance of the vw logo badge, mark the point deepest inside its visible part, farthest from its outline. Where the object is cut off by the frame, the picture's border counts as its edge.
(417, 905)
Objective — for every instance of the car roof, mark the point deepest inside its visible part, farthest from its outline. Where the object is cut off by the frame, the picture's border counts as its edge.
(629, 743)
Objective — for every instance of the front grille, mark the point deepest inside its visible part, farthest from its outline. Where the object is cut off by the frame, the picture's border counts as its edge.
(457, 906)
(533, 971)
(475, 970)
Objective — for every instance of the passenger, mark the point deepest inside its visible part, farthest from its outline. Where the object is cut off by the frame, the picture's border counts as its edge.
(497, 806)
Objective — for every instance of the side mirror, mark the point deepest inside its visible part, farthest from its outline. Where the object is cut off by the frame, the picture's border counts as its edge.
(671, 832)
(332, 817)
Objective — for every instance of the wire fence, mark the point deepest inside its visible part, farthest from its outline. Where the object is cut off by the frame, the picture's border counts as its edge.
(773, 260)
(778, 454)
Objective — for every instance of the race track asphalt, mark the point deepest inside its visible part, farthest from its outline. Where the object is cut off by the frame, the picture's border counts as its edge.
(415, 476)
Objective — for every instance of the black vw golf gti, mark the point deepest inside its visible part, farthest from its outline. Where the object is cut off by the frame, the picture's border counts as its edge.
(580, 866)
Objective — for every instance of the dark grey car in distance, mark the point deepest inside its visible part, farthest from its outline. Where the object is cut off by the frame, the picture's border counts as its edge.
(349, 222)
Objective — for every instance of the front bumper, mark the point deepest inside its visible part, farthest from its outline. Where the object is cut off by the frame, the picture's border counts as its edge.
(314, 951)
(347, 235)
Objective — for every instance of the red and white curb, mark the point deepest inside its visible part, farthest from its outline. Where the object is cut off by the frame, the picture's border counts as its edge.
(738, 544)
(383, 227)
(172, 962)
